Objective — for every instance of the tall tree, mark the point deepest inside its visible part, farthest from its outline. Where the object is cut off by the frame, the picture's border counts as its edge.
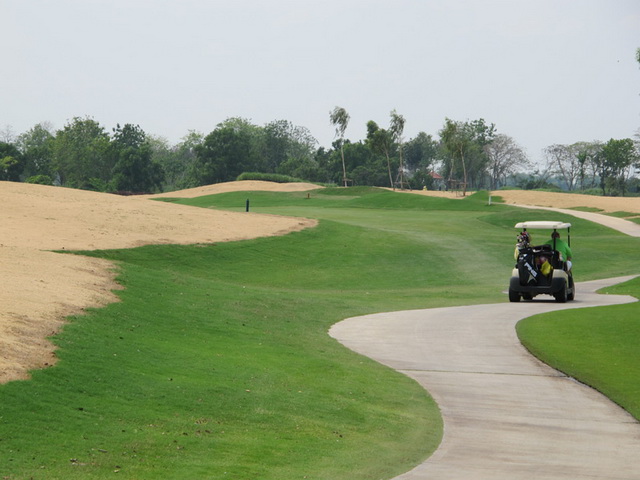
(463, 144)
(81, 154)
(420, 152)
(7, 134)
(397, 128)
(285, 142)
(364, 165)
(482, 134)
(302, 143)
(615, 161)
(177, 161)
(587, 154)
(276, 144)
(564, 160)
(506, 157)
(340, 119)
(133, 170)
(381, 141)
(456, 144)
(36, 146)
(227, 151)
(11, 162)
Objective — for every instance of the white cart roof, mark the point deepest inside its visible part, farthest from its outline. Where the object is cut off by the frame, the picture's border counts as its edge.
(543, 225)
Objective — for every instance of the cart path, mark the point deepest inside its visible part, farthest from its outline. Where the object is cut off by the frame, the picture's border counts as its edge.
(625, 226)
(506, 414)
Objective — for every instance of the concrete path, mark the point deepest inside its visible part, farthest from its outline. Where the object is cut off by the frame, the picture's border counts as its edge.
(506, 414)
(620, 224)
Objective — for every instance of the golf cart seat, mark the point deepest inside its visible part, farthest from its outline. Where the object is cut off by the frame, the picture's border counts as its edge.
(552, 255)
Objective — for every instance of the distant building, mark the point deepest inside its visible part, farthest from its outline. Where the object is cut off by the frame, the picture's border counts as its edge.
(438, 181)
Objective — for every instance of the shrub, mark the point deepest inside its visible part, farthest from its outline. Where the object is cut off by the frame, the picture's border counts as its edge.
(268, 177)
(40, 180)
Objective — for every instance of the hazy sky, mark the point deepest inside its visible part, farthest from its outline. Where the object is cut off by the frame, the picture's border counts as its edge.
(544, 71)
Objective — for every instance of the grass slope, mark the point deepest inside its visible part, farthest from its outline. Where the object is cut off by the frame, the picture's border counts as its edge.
(217, 362)
(598, 346)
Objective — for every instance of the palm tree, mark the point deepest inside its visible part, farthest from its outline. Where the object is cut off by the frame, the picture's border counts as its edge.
(340, 119)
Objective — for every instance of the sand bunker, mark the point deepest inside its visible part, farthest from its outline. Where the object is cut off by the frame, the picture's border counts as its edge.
(40, 288)
(570, 200)
(551, 199)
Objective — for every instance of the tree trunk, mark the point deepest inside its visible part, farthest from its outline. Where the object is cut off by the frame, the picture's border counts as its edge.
(389, 168)
(464, 173)
(401, 168)
(344, 168)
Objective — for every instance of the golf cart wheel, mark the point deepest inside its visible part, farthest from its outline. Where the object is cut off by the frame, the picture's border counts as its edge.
(572, 294)
(562, 296)
(514, 296)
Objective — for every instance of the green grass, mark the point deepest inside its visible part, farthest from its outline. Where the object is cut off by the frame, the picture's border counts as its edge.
(622, 214)
(587, 209)
(217, 363)
(598, 346)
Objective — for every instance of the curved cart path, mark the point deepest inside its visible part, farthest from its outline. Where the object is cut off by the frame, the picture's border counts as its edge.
(625, 226)
(506, 414)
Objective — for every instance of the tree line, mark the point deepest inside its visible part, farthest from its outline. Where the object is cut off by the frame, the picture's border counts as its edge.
(608, 166)
(464, 155)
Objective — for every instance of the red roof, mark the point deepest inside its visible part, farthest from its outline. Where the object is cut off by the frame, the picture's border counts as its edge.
(435, 175)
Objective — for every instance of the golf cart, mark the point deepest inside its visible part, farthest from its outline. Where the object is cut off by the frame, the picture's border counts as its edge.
(540, 269)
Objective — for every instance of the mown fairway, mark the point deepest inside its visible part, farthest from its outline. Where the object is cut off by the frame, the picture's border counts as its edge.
(217, 362)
